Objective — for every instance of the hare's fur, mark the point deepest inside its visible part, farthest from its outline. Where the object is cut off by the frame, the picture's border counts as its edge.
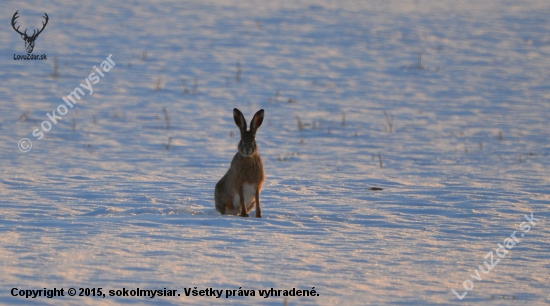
(239, 189)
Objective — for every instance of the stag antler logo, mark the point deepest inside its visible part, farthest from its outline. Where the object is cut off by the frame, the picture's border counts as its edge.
(29, 41)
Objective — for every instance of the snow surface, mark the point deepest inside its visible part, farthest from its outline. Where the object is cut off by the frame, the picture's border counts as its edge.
(108, 205)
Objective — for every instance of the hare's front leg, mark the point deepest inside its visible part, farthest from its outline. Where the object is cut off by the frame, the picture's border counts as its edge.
(242, 204)
(258, 205)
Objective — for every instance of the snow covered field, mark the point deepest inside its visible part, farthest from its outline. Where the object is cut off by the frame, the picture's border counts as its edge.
(105, 199)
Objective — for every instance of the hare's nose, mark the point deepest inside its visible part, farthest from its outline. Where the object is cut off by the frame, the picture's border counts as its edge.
(247, 151)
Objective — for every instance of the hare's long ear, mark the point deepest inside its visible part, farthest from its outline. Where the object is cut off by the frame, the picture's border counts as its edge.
(239, 120)
(257, 121)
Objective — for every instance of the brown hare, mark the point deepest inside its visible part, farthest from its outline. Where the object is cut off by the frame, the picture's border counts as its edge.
(239, 189)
